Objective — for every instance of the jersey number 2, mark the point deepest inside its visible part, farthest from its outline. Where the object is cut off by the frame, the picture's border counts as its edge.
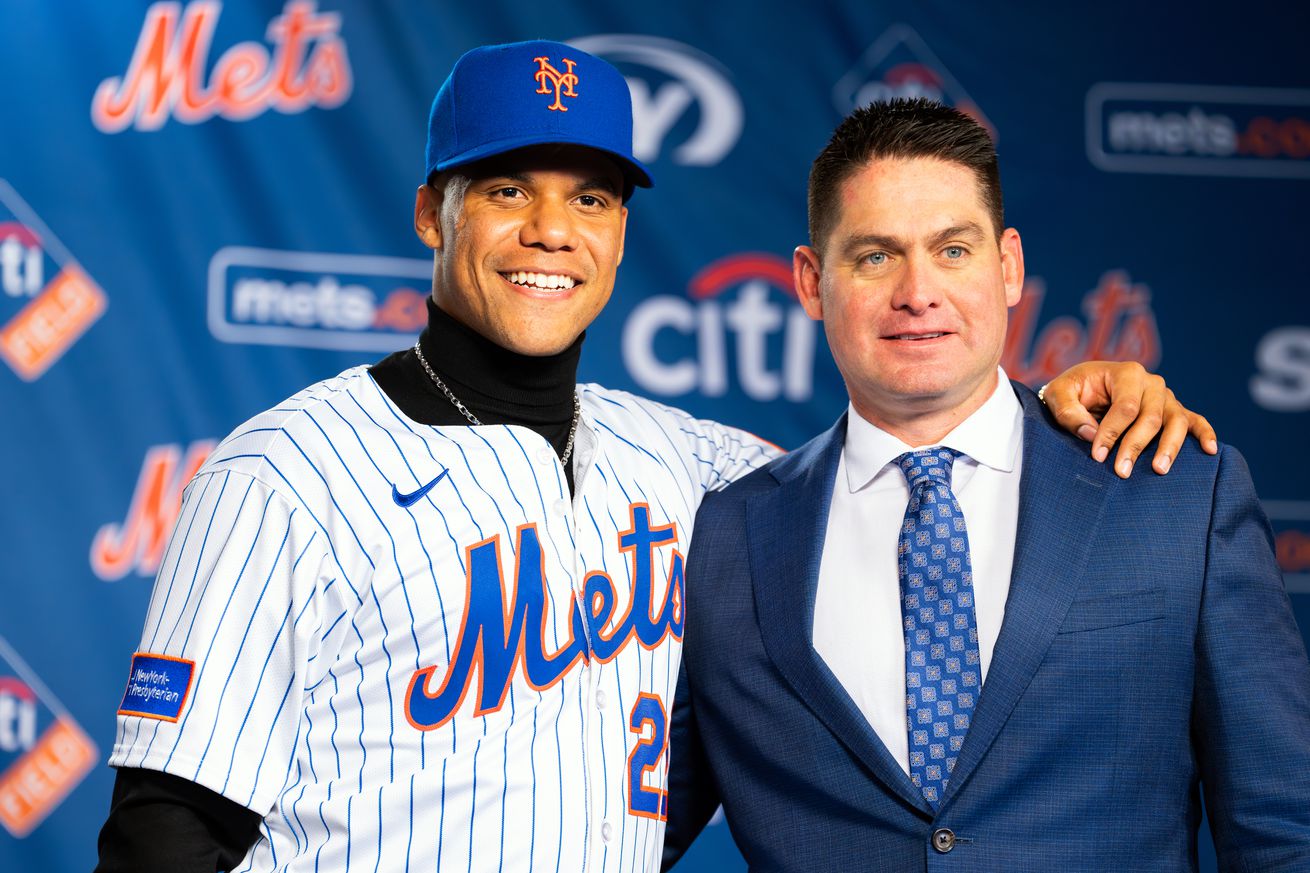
(648, 721)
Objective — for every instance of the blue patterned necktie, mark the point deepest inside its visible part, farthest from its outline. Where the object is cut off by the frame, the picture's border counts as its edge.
(942, 673)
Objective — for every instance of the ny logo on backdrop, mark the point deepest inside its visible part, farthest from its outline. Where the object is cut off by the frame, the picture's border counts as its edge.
(671, 81)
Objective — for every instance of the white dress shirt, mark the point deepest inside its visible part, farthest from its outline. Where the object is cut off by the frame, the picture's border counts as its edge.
(857, 609)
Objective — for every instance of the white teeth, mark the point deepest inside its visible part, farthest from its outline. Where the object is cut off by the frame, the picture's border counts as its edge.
(916, 336)
(546, 281)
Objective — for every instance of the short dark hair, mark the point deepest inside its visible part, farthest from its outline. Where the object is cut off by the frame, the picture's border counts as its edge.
(901, 128)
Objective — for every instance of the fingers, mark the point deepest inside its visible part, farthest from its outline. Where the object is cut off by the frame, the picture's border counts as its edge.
(1199, 427)
(1176, 423)
(1134, 424)
(1064, 398)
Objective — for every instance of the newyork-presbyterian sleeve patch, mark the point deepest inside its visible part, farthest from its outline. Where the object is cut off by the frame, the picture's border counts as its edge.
(157, 686)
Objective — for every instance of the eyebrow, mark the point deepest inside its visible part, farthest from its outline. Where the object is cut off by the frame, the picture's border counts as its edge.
(970, 230)
(596, 183)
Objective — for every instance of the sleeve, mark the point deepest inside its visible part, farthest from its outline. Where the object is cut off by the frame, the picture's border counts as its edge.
(693, 796)
(162, 824)
(725, 453)
(1251, 710)
(214, 692)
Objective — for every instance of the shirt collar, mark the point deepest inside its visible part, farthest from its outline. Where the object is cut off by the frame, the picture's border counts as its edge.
(992, 436)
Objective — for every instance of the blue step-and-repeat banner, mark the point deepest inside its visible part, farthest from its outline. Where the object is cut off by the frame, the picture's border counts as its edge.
(205, 206)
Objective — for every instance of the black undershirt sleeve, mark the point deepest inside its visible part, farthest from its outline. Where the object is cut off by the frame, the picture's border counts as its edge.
(159, 823)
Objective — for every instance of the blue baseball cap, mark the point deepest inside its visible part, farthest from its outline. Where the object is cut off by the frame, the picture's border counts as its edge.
(503, 97)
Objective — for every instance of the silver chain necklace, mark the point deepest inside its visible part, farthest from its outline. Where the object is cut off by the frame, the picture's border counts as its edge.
(473, 419)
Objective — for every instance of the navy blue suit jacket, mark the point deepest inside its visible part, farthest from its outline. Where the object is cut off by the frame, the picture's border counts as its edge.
(1148, 652)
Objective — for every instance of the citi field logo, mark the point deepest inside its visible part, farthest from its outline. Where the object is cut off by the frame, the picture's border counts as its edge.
(306, 66)
(741, 328)
(136, 544)
(1119, 325)
(44, 754)
(313, 300)
(1137, 127)
(671, 81)
(899, 64)
(552, 81)
(46, 300)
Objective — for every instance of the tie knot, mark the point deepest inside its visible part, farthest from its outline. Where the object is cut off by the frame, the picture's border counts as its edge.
(926, 466)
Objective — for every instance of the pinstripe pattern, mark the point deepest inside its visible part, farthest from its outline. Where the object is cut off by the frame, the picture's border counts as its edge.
(310, 600)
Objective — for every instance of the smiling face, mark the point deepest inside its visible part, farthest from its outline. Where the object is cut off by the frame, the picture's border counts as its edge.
(528, 259)
(913, 288)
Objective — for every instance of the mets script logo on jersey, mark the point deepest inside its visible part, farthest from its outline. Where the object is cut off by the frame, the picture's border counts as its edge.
(671, 81)
(137, 543)
(550, 79)
(166, 77)
(43, 752)
(1199, 130)
(46, 300)
(499, 638)
(741, 329)
(900, 64)
(1120, 326)
(314, 300)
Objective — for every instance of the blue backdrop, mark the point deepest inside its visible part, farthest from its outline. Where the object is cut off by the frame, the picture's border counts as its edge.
(205, 206)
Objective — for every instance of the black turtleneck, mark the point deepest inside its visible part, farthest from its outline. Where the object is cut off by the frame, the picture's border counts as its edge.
(161, 822)
(497, 385)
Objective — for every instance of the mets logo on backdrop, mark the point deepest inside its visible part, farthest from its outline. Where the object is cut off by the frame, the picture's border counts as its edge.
(44, 754)
(1199, 130)
(46, 300)
(137, 543)
(307, 66)
(548, 78)
(739, 328)
(900, 64)
(317, 300)
(1120, 325)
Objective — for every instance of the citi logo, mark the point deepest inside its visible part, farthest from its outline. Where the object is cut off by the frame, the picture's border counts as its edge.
(17, 716)
(307, 66)
(668, 80)
(22, 260)
(742, 328)
(315, 300)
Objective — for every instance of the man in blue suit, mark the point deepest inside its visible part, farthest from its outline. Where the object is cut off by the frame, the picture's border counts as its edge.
(939, 636)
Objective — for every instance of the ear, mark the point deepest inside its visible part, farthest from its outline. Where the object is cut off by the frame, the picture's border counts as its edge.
(1012, 265)
(427, 215)
(805, 275)
(623, 233)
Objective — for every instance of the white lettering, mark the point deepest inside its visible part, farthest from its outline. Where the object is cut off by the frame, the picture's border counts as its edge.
(638, 344)
(326, 304)
(1283, 358)
(652, 117)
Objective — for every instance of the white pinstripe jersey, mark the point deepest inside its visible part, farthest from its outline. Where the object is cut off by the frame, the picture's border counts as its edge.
(475, 681)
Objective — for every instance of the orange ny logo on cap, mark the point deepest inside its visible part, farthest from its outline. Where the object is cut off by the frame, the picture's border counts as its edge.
(548, 77)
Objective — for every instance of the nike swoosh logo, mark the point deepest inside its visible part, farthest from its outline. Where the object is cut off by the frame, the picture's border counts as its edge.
(414, 497)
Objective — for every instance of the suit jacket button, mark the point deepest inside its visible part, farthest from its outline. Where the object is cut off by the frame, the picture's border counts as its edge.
(943, 840)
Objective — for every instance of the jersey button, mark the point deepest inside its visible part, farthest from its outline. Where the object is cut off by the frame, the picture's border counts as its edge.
(562, 506)
(607, 832)
(600, 699)
(545, 456)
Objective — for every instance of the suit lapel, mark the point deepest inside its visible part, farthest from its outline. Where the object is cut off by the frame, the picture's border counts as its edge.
(785, 529)
(1062, 493)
